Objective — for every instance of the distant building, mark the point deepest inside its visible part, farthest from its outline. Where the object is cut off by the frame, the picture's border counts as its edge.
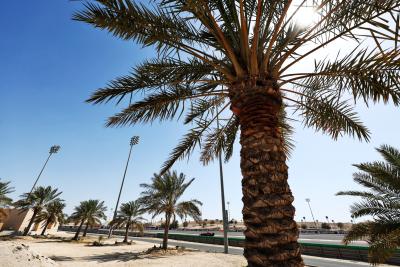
(14, 219)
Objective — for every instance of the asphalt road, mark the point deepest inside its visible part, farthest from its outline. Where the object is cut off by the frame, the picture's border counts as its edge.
(335, 239)
(309, 260)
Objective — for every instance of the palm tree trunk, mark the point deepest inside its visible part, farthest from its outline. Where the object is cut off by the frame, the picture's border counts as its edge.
(86, 228)
(166, 229)
(271, 232)
(45, 227)
(79, 230)
(26, 231)
(126, 232)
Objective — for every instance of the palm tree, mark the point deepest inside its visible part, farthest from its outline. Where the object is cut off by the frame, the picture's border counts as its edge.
(381, 202)
(89, 211)
(52, 214)
(38, 200)
(162, 196)
(4, 199)
(4, 190)
(128, 216)
(247, 56)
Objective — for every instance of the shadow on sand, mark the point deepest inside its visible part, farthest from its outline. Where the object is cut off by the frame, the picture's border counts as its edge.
(121, 256)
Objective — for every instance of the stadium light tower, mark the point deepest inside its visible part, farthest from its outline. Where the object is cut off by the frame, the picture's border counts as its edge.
(312, 215)
(53, 150)
(134, 141)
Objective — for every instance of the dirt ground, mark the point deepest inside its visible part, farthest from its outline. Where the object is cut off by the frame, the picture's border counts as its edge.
(34, 252)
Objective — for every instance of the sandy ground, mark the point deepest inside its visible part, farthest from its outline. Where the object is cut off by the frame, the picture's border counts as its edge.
(52, 252)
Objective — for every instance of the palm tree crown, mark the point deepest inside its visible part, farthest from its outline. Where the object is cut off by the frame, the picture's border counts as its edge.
(162, 196)
(208, 44)
(53, 213)
(90, 212)
(129, 216)
(382, 202)
(4, 190)
(37, 200)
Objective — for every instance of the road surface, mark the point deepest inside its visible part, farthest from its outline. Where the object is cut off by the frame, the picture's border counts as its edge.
(335, 239)
(309, 260)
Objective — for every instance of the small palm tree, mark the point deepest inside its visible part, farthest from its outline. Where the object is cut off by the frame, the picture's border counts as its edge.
(38, 200)
(52, 214)
(4, 190)
(162, 195)
(128, 216)
(246, 62)
(89, 211)
(4, 199)
(382, 202)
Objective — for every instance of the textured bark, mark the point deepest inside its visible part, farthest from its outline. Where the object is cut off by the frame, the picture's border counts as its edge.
(166, 229)
(26, 231)
(45, 227)
(85, 231)
(78, 231)
(126, 231)
(271, 232)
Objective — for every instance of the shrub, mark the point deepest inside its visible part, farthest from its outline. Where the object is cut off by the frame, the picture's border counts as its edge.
(325, 226)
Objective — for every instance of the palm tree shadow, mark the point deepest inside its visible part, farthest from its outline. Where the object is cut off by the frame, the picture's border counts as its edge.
(121, 256)
(61, 258)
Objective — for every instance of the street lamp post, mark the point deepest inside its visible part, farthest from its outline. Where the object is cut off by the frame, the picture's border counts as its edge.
(224, 212)
(134, 141)
(229, 211)
(312, 215)
(53, 150)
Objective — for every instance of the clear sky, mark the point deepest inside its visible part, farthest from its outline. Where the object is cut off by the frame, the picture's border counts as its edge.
(50, 64)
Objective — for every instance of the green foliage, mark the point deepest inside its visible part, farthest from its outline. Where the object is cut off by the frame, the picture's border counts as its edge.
(382, 178)
(129, 216)
(89, 211)
(162, 197)
(5, 189)
(325, 226)
(304, 226)
(185, 224)
(340, 225)
(163, 194)
(52, 213)
(205, 47)
(172, 225)
(40, 198)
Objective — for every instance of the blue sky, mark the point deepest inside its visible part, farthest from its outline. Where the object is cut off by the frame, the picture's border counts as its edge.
(50, 64)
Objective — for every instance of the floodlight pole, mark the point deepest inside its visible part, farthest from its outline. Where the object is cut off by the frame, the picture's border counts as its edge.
(53, 150)
(224, 212)
(134, 141)
(308, 202)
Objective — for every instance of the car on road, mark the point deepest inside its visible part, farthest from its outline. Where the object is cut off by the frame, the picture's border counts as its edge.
(207, 234)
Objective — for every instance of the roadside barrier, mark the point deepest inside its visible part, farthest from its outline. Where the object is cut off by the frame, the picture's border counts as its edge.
(356, 253)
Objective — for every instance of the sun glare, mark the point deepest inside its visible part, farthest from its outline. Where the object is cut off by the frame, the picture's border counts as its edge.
(306, 16)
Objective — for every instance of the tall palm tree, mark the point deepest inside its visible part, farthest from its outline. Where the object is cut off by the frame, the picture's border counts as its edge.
(162, 196)
(247, 56)
(381, 202)
(51, 214)
(129, 216)
(38, 200)
(5, 189)
(89, 211)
